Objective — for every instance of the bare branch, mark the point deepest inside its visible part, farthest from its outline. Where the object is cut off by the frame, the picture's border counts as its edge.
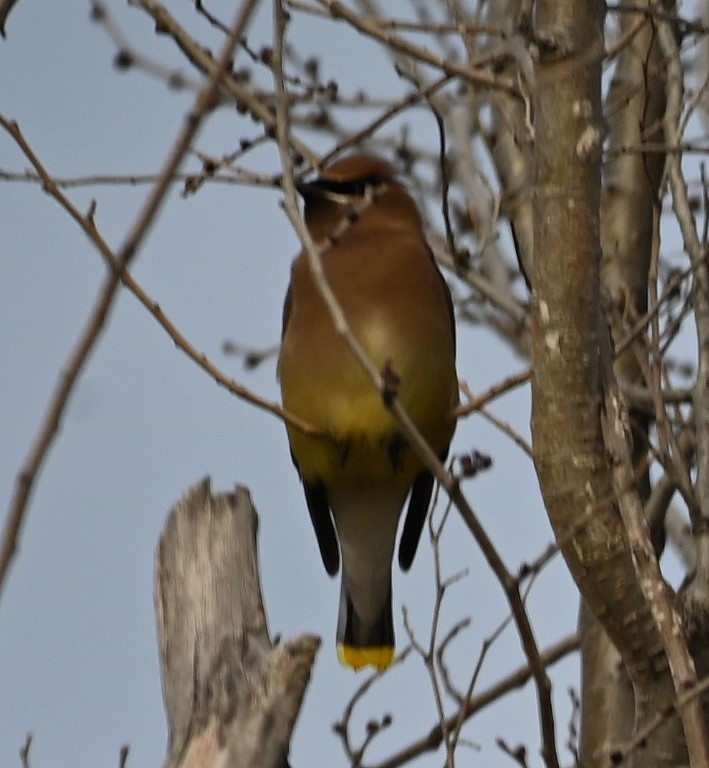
(473, 72)
(25, 752)
(697, 256)
(653, 586)
(477, 402)
(204, 62)
(432, 740)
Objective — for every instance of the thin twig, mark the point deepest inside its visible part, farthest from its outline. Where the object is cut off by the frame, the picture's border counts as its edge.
(475, 403)
(392, 111)
(441, 28)
(501, 299)
(503, 426)
(25, 751)
(205, 63)
(445, 180)
(342, 726)
(432, 740)
(471, 72)
(314, 252)
(430, 656)
(697, 256)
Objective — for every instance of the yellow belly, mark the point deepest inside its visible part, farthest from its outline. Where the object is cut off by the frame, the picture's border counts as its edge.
(360, 434)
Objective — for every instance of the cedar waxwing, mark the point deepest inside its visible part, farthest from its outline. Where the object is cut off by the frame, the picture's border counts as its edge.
(358, 473)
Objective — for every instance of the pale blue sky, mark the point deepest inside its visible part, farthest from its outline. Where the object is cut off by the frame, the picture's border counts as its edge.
(78, 659)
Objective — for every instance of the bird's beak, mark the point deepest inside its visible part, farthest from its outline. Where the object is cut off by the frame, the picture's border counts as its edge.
(307, 189)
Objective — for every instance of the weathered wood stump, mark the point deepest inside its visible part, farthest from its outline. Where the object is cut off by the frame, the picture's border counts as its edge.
(231, 696)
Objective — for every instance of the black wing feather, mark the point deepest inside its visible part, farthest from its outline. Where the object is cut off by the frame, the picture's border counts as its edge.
(323, 524)
(416, 516)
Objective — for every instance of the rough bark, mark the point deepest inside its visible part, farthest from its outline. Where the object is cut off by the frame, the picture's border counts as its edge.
(634, 111)
(570, 345)
(511, 143)
(607, 702)
(231, 697)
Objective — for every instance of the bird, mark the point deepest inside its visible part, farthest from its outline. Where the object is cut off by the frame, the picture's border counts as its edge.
(357, 470)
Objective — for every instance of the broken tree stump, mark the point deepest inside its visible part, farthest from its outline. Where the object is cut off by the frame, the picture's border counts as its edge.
(231, 696)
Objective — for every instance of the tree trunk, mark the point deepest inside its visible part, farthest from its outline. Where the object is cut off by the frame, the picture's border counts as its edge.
(571, 352)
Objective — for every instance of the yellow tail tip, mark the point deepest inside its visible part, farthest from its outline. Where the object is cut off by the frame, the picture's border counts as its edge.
(380, 656)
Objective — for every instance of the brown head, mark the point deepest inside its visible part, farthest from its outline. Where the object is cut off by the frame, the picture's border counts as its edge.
(342, 185)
